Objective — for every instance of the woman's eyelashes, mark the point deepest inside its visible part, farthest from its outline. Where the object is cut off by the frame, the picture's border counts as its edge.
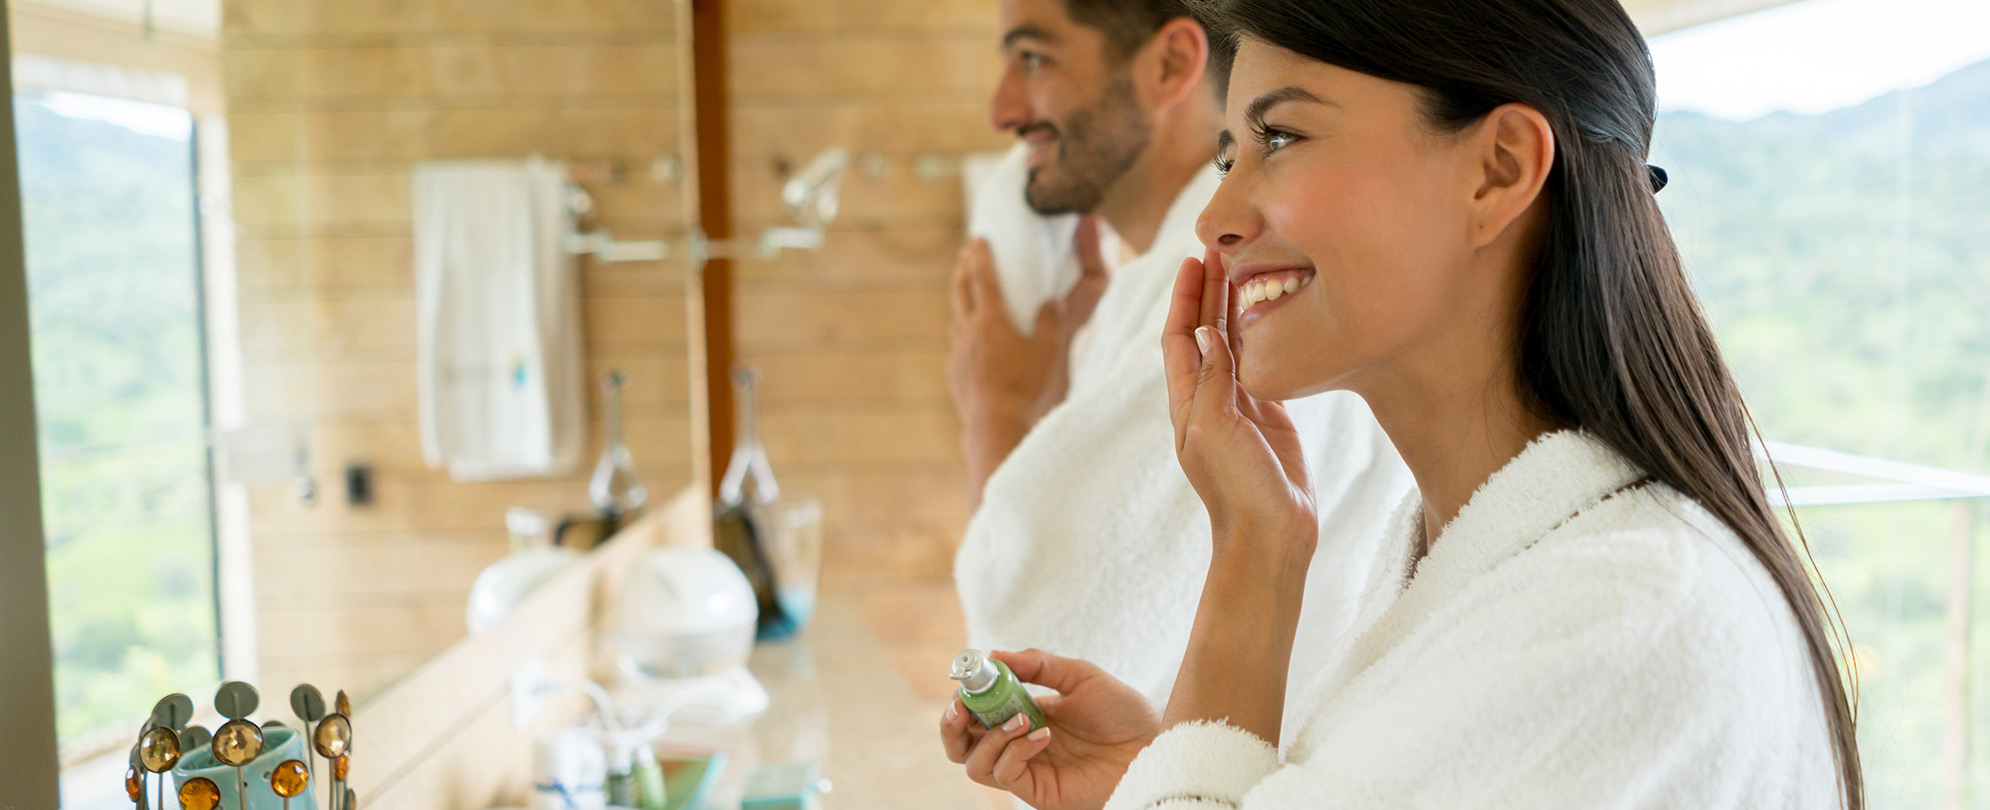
(1269, 140)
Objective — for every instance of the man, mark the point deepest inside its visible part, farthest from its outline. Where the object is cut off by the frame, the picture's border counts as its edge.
(1087, 540)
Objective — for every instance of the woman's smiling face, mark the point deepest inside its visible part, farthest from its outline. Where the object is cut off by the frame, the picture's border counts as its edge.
(1344, 204)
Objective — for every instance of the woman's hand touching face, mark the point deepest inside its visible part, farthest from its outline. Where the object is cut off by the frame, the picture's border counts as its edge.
(1241, 454)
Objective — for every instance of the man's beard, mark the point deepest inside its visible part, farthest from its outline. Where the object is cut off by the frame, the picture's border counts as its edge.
(1095, 146)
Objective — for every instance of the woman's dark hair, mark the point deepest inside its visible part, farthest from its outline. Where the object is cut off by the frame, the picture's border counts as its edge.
(1612, 340)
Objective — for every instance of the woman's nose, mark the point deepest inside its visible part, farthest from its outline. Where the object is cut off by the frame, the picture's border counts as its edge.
(1228, 221)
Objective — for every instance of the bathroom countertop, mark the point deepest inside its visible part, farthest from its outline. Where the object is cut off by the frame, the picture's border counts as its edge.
(836, 700)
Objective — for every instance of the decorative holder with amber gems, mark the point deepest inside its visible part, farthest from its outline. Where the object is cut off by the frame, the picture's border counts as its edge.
(241, 765)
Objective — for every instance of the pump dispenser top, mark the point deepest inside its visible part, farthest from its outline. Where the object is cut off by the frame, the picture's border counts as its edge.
(974, 672)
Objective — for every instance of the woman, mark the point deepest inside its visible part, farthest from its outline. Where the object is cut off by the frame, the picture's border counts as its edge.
(1453, 203)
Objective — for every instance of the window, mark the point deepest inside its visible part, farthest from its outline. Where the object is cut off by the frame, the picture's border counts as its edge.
(121, 406)
(1830, 164)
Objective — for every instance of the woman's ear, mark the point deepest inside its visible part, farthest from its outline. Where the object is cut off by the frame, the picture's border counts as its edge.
(1511, 151)
(1180, 51)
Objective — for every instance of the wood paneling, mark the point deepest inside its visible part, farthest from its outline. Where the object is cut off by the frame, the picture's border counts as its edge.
(851, 339)
(343, 20)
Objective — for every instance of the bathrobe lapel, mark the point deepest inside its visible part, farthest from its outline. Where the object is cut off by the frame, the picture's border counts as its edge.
(1557, 476)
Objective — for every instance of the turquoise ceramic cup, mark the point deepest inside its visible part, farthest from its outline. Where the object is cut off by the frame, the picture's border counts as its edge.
(280, 744)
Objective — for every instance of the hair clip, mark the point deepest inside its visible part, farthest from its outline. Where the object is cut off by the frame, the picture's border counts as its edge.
(1658, 178)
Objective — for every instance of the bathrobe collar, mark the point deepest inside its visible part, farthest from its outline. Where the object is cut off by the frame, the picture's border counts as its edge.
(1122, 332)
(1558, 475)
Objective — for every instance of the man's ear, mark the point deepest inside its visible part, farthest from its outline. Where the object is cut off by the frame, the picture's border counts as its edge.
(1174, 59)
(1509, 154)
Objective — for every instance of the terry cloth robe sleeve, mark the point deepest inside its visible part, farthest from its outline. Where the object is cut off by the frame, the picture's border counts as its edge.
(1634, 657)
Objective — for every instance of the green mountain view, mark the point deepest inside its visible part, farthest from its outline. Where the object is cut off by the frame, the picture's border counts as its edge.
(114, 307)
(1842, 258)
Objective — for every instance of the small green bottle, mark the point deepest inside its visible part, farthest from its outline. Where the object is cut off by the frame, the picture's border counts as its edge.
(992, 692)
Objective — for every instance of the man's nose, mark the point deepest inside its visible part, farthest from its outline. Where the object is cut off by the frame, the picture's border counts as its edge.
(1009, 109)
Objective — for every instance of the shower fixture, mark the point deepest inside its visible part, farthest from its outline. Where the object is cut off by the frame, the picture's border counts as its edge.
(811, 195)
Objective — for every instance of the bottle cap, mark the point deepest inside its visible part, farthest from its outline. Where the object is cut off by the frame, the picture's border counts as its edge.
(973, 671)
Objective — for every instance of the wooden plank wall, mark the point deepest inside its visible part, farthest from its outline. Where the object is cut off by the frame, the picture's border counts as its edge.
(331, 103)
(852, 339)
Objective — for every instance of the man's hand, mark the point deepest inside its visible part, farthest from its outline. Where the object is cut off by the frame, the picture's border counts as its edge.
(1004, 381)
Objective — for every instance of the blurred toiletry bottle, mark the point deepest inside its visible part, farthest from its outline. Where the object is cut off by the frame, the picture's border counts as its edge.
(615, 490)
(747, 514)
(992, 692)
(635, 778)
(650, 791)
(621, 776)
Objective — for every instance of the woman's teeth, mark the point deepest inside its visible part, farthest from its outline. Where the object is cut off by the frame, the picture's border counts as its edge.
(1272, 289)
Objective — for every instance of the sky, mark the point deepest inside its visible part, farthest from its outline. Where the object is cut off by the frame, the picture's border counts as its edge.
(1817, 55)
(137, 116)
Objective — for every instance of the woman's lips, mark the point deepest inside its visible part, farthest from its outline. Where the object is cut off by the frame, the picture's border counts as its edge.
(1262, 289)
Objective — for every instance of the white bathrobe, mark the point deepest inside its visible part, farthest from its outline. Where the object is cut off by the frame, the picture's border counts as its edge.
(1634, 655)
(1089, 541)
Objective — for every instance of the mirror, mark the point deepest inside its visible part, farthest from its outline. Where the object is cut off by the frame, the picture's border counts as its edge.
(374, 290)
(261, 447)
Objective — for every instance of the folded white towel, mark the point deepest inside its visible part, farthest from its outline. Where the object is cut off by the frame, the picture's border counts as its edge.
(1034, 259)
(498, 354)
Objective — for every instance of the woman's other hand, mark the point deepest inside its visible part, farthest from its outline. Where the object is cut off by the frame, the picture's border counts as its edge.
(1096, 725)
(1241, 454)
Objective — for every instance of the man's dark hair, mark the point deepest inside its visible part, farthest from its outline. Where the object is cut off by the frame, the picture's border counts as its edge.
(1128, 24)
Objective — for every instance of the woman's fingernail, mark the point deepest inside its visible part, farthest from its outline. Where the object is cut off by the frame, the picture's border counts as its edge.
(1039, 734)
(952, 713)
(1202, 337)
(1016, 723)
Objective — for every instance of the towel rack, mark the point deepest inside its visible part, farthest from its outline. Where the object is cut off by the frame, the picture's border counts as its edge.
(811, 196)
(599, 242)
(696, 247)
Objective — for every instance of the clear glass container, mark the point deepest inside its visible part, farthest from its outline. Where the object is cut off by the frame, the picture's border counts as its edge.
(615, 488)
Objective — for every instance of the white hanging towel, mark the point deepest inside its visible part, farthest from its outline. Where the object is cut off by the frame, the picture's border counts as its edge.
(1034, 259)
(498, 359)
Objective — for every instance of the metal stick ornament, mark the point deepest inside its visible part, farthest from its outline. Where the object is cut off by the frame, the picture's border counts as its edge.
(159, 742)
(197, 794)
(200, 793)
(134, 781)
(309, 706)
(289, 779)
(158, 752)
(192, 738)
(333, 741)
(342, 767)
(238, 741)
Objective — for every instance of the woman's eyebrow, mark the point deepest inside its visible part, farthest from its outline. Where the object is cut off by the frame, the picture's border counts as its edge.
(1263, 104)
(1224, 142)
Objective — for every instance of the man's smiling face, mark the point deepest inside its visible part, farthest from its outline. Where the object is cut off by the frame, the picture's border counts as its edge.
(1067, 95)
